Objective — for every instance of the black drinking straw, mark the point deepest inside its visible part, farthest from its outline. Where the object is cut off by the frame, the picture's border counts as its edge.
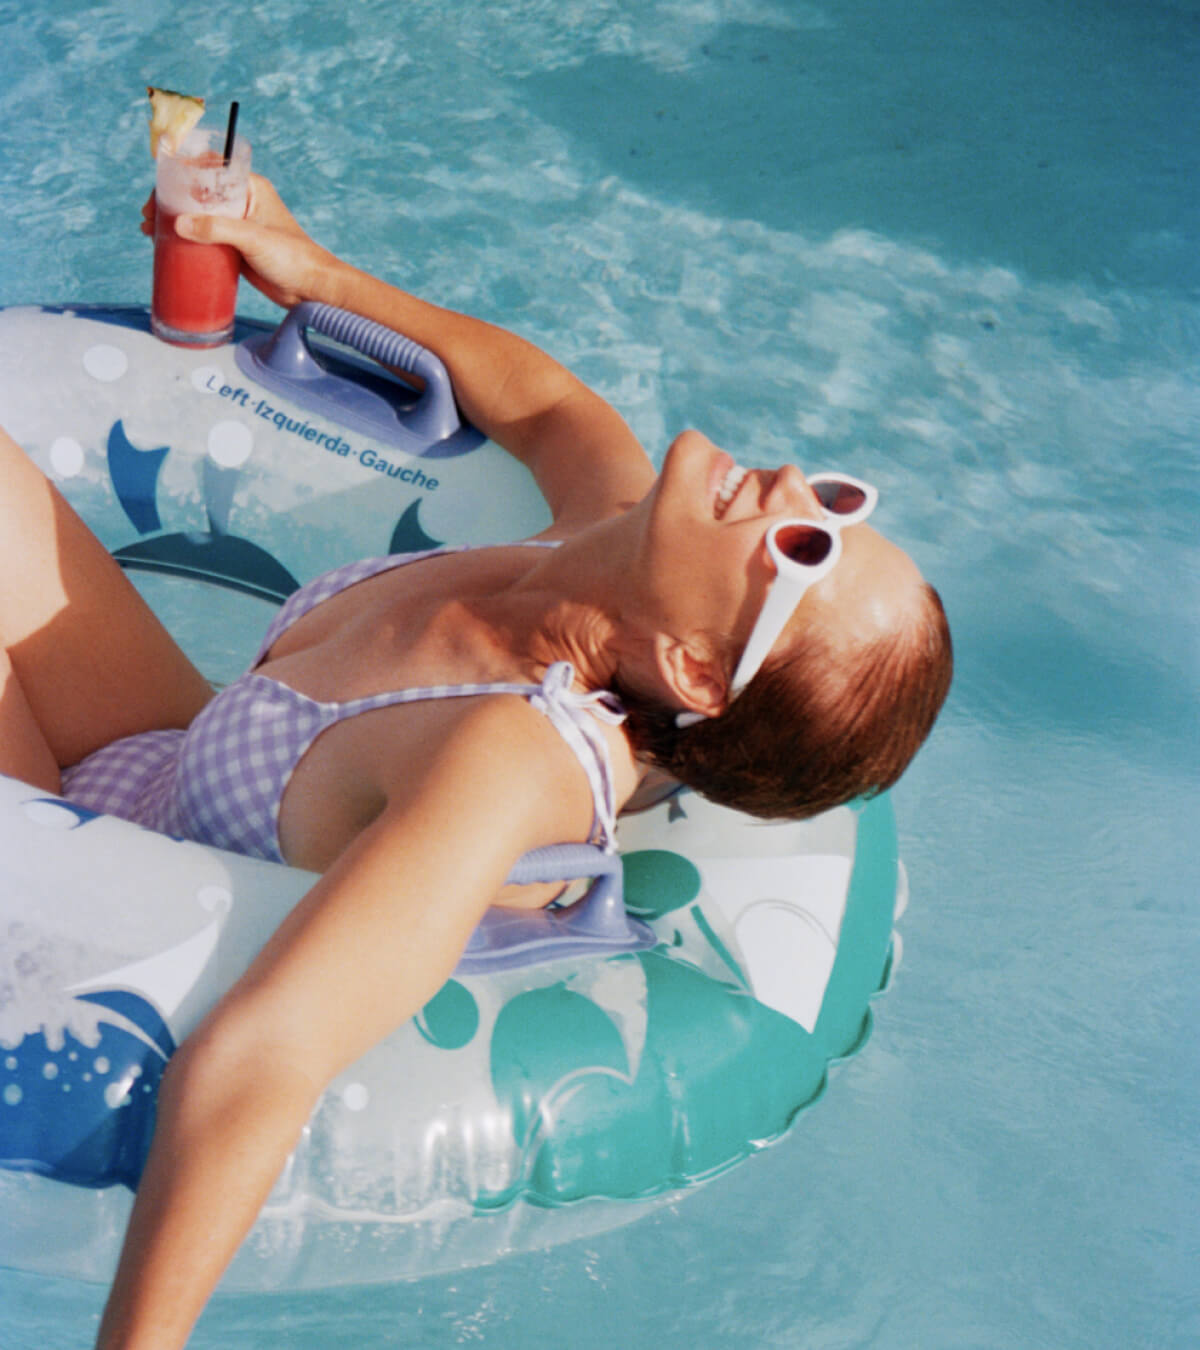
(229, 135)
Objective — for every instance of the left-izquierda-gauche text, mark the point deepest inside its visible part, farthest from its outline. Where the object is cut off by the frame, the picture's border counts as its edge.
(332, 442)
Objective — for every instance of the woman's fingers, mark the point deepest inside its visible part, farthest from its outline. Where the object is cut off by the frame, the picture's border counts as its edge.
(277, 258)
(264, 207)
(218, 230)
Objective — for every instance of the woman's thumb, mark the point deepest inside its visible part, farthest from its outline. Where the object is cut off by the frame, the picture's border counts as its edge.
(208, 229)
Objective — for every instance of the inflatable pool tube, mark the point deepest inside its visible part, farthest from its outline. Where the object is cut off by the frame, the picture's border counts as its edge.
(540, 1096)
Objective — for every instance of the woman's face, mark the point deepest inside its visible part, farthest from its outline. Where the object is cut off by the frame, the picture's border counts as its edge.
(704, 539)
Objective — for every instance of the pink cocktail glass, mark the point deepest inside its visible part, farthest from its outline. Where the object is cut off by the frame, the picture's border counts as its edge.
(195, 285)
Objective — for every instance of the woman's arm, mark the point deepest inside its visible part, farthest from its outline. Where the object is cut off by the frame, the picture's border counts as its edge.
(584, 457)
(365, 949)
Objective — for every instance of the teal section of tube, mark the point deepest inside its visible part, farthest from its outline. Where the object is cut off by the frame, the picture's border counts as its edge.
(864, 943)
(658, 881)
(719, 1074)
(451, 1018)
(695, 1104)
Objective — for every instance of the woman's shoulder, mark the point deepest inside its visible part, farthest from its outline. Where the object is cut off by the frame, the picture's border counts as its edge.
(501, 744)
(534, 742)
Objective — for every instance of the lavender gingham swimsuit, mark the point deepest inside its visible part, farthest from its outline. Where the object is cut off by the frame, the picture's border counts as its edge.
(221, 781)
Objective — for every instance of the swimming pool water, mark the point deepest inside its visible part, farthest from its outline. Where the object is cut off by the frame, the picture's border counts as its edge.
(952, 249)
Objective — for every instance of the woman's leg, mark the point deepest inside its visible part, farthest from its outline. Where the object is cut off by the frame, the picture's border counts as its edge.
(87, 661)
(24, 752)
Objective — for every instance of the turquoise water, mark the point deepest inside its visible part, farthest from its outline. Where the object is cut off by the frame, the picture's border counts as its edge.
(951, 248)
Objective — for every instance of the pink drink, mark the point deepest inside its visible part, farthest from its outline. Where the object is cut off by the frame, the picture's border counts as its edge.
(195, 285)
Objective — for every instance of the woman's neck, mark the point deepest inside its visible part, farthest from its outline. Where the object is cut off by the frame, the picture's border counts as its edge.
(574, 604)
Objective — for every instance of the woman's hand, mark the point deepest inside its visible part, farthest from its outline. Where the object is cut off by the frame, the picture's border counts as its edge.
(278, 258)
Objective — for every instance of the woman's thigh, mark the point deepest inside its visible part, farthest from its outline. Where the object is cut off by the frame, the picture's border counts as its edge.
(92, 661)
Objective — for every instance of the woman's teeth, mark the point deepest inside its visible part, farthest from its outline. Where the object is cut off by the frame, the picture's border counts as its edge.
(729, 486)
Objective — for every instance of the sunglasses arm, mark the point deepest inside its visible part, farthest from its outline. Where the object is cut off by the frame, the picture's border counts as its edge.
(782, 599)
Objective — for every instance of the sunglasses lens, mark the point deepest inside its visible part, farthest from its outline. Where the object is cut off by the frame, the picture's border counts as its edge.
(807, 545)
(838, 497)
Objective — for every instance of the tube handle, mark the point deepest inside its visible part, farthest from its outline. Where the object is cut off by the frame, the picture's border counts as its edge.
(286, 363)
(595, 925)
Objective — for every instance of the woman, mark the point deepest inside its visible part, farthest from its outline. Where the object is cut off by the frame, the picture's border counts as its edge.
(668, 592)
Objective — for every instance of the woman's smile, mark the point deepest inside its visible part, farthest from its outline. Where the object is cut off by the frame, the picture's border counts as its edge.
(733, 478)
(779, 491)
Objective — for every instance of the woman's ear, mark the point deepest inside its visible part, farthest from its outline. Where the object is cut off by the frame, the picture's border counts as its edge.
(694, 673)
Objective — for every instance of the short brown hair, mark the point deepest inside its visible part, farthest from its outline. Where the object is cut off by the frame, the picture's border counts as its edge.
(808, 734)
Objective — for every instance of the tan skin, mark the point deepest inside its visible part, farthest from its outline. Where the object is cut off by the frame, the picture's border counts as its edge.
(647, 570)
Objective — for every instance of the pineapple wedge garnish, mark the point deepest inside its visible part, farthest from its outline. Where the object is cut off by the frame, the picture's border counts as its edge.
(172, 115)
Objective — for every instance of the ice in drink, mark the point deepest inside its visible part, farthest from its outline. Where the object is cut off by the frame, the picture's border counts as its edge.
(195, 285)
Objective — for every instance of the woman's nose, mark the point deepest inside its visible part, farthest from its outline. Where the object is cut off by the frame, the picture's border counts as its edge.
(791, 492)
